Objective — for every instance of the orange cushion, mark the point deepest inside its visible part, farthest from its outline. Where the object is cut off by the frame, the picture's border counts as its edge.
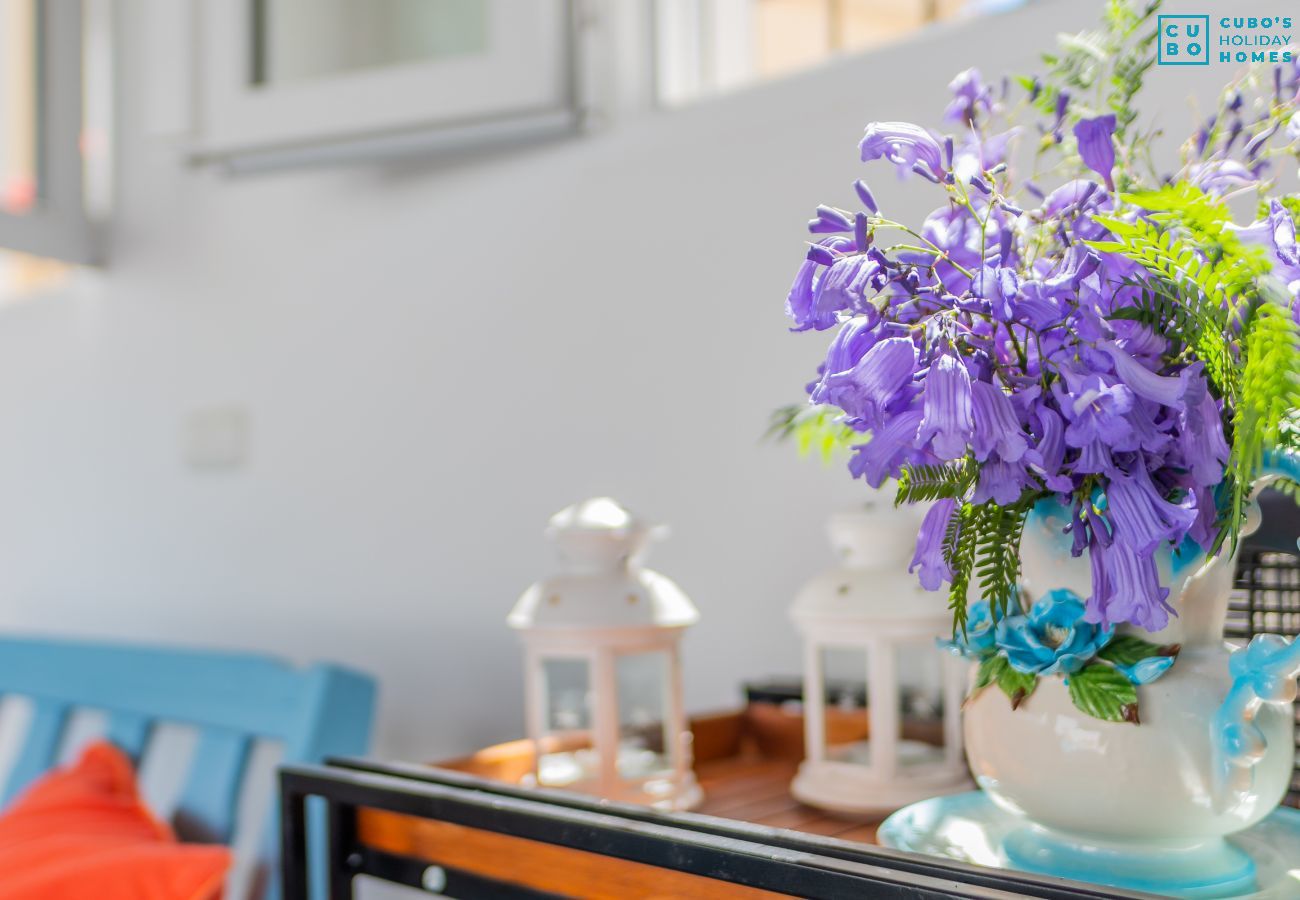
(83, 833)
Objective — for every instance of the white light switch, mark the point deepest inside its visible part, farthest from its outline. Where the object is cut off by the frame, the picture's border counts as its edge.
(216, 438)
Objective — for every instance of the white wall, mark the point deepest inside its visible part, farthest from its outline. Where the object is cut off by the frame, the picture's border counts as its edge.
(435, 357)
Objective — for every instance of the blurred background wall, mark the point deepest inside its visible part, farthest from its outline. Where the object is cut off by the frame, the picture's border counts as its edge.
(431, 358)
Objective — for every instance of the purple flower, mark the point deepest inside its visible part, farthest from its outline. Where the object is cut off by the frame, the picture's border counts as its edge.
(864, 194)
(830, 221)
(1095, 409)
(1001, 481)
(1078, 194)
(996, 426)
(906, 145)
(847, 284)
(1166, 390)
(854, 339)
(929, 545)
(800, 303)
(1096, 146)
(867, 388)
(1062, 105)
(1005, 338)
(890, 446)
(1125, 588)
(999, 286)
(947, 403)
(1282, 228)
(1047, 455)
(1142, 518)
(1200, 436)
(1221, 176)
(970, 97)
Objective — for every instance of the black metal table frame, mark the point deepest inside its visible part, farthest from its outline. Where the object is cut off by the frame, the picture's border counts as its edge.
(756, 856)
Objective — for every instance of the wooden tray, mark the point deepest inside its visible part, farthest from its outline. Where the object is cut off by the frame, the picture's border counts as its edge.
(744, 762)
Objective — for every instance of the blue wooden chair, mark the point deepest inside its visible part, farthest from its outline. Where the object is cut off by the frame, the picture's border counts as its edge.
(233, 700)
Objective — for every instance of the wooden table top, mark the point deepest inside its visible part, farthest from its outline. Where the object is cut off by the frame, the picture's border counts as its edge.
(744, 762)
(757, 790)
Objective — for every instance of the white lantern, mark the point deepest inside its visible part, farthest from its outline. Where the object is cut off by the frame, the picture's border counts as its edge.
(870, 619)
(602, 664)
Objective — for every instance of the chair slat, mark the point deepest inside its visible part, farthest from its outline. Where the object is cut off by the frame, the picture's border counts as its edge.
(130, 732)
(40, 748)
(234, 699)
(207, 809)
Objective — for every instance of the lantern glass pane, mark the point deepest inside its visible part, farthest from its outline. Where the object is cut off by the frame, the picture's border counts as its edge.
(921, 699)
(567, 754)
(844, 671)
(645, 741)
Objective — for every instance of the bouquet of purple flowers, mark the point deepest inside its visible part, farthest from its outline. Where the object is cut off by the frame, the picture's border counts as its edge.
(1098, 333)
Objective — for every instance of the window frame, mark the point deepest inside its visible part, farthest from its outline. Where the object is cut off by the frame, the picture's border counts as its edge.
(58, 225)
(525, 88)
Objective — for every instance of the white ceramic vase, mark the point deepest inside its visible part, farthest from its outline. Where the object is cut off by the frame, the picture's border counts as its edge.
(1139, 800)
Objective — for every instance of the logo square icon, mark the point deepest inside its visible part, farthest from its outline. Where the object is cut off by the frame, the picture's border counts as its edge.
(1184, 40)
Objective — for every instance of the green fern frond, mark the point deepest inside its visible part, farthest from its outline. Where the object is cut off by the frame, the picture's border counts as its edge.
(922, 484)
(1188, 320)
(998, 557)
(1270, 395)
(959, 545)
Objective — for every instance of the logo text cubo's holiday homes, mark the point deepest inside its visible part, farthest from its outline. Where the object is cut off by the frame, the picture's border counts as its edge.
(1196, 40)
(1184, 40)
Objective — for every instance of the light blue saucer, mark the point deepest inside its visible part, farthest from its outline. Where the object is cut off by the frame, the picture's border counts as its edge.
(971, 828)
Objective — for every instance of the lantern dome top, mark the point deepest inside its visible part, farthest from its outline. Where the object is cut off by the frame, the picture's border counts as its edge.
(601, 583)
(874, 547)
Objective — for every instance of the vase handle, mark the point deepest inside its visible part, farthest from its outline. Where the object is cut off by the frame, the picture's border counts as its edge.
(1264, 671)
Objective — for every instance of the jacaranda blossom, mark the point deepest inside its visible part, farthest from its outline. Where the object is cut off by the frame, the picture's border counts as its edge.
(1096, 145)
(971, 97)
(1126, 587)
(1013, 345)
(949, 419)
(996, 426)
(929, 545)
(910, 147)
(1142, 518)
(865, 390)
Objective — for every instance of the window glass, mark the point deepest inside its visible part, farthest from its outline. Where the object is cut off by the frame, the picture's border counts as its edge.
(795, 34)
(296, 40)
(703, 50)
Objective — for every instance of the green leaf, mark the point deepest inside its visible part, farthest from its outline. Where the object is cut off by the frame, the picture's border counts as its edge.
(959, 543)
(1104, 693)
(1131, 313)
(991, 668)
(922, 484)
(997, 560)
(1125, 650)
(814, 429)
(1016, 685)
(1270, 393)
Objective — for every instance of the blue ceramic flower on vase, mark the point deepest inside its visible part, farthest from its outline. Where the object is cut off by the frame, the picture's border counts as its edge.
(978, 641)
(1052, 639)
